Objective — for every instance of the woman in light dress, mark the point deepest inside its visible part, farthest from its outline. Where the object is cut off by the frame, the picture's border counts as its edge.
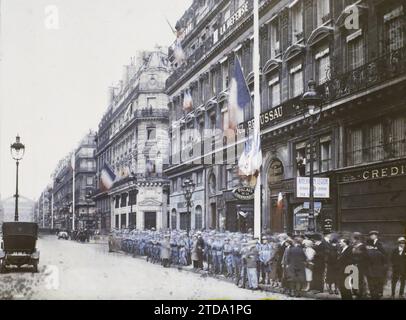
(310, 253)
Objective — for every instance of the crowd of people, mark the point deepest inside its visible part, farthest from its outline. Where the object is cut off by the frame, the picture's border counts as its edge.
(297, 264)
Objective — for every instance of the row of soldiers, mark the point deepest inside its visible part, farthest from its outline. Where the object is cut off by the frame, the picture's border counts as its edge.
(249, 262)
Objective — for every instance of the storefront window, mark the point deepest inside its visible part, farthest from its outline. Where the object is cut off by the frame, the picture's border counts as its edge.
(198, 218)
(397, 138)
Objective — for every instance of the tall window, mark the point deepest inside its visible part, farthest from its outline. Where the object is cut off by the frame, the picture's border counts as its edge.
(274, 91)
(297, 22)
(376, 151)
(323, 11)
(356, 54)
(323, 65)
(397, 137)
(394, 29)
(355, 146)
(275, 38)
(198, 218)
(224, 75)
(151, 133)
(151, 102)
(173, 219)
(325, 154)
(296, 80)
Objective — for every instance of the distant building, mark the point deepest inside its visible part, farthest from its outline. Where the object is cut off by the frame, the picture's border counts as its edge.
(132, 145)
(26, 210)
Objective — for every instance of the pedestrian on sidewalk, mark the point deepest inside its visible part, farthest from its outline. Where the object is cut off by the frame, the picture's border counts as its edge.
(295, 268)
(344, 259)
(398, 262)
(310, 253)
(376, 271)
(166, 251)
(251, 258)
(360, 258)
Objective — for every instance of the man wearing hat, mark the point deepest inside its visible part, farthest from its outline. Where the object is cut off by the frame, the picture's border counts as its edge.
(398, 261)
(373, 235)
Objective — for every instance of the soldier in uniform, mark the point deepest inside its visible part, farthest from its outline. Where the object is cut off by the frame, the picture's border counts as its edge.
(174, 250)
(243, 272)
(236, 246)
(265, 256)
(228, 257)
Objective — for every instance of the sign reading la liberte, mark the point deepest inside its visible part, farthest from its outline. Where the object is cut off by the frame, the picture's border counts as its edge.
(321, 188)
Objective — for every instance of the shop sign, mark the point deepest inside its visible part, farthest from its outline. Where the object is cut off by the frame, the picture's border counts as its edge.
(321, 188)
(234, 18)
(376, 173)
(244, 193)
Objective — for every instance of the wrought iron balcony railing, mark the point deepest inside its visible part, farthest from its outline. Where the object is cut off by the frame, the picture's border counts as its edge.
(375, 72)
(152, 113)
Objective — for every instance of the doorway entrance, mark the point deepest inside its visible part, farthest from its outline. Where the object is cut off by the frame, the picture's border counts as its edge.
(213, 215)
(185, 221)
(149, 220)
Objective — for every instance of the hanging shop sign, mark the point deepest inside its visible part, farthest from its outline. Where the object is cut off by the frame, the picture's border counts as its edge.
(321, 188)
(244, 193)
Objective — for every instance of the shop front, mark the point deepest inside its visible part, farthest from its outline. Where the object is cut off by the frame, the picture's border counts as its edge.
(239, 206)
(373, 198)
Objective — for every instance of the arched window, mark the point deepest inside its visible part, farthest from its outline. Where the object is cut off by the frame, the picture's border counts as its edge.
(198, 218)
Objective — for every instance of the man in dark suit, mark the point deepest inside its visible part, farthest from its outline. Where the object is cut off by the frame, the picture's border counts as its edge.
(398, 261)
(344, 259)
(319, 261)
(373, 235)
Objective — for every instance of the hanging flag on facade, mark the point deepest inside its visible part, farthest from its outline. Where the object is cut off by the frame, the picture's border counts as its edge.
(250, 161)
(187, 102)
(178, 52)
(107, 177)
(280, 200)
(239, 98)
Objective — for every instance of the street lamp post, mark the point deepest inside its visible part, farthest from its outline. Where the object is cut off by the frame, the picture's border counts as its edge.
(188, 187)
(311, 100)
(17, 152)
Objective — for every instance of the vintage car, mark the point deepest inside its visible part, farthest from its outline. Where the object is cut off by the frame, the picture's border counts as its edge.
(18, 247)
(63, 235)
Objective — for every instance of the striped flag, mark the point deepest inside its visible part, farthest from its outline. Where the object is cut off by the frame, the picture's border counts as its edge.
(280, 200)
(239, 98)
(107, 176)
(187, 102)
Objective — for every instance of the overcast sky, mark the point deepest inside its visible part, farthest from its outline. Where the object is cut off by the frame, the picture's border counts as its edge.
(54, 82)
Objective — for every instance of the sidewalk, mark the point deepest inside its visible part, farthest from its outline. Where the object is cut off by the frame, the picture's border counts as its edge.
(268, 288)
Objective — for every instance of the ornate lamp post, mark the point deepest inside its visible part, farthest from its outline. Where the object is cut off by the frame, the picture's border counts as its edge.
(17, 152)
(312, 101)
(188, 187)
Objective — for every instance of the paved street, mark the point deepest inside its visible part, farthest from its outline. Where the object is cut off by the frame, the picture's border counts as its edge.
(71, 270)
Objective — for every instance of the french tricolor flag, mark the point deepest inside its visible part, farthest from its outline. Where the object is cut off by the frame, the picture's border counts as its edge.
(107, 177)
(239, 98)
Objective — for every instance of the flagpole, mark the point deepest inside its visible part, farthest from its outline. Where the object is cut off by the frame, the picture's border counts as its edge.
(73, 192)
(257, 113)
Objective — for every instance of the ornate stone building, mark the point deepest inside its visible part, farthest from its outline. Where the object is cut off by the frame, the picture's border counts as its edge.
(133, 146)
(354, 50)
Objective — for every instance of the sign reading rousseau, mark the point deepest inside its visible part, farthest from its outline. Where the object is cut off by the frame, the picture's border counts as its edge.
(321, 188)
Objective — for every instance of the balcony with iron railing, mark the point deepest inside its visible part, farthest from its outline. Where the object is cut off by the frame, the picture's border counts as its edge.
(151, 113)
(378, 71)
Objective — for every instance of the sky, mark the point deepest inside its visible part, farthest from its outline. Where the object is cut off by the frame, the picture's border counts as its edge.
(58, 58)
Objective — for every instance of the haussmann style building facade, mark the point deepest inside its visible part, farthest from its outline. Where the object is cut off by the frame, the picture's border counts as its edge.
(132, 147)
(355, 51)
